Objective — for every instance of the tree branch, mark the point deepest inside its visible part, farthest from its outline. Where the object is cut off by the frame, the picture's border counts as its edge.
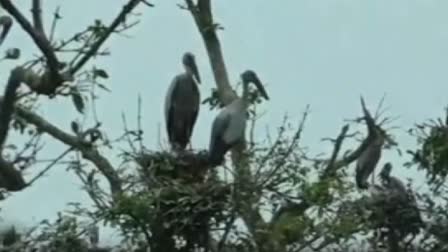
(246, 200)
(87, 150)
(10, 178)
(202, 14)
(36, 10)
(5, 23)
(42, 43)
(112, 27)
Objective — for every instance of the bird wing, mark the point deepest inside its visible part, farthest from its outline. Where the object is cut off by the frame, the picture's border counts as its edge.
(172, 93)
(196, 98)
(219, 126)
(367, 163)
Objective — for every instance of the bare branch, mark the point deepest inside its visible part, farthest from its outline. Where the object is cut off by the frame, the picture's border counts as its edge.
(39, 39)
(202, 15)
(330, 169)
(49, 166)
(112, 27)
(88, 151)
(5, 23)
(36, 10)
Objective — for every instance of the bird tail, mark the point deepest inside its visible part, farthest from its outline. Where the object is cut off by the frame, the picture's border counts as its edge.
(217, 152)
(361, 182)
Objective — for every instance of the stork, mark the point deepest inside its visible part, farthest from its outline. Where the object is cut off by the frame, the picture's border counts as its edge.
(229, 126)
(371, 154)
(182, 104)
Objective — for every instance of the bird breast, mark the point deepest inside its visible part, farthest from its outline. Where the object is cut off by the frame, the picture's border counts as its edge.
(236, 129)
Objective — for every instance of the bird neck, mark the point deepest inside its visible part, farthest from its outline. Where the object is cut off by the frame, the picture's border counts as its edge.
(245, 94)
(188, 70)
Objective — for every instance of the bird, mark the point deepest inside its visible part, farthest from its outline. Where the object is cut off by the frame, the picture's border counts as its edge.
(368, 160)
(229, 125)
(391, 182)
(182, 104)
(373, 145)
(404, 199)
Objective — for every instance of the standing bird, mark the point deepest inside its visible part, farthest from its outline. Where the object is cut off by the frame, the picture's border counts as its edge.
(229, 126)
(182, 104)
(373, 146)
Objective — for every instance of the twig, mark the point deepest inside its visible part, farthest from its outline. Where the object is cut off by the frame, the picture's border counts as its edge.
(49, 166)
(56, 17)
(112, 27)
(5, 23)
(329, 170)
(87, 150)
(39, 39)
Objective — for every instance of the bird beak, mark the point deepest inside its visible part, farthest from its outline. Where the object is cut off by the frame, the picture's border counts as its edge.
(260, 88)
(195, 71)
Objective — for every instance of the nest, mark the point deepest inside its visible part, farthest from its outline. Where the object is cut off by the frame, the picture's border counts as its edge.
(187, 166)
(395, 211)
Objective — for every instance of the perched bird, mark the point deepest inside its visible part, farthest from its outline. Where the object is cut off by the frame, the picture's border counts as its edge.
(402, 205)
(182, 104)
(391, 182)
(369, 158)
(229, 126)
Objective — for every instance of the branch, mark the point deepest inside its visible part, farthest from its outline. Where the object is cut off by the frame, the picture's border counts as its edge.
(36, 10)
(39, 39)
(86, 149)
(112, 27)
(331, 167)
(203, 18)
(5, 23)
(10, 178)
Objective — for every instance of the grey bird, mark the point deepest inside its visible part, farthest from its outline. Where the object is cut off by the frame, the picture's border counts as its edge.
(229, 126)
(391, 182)
(182, 104)
(371, 154)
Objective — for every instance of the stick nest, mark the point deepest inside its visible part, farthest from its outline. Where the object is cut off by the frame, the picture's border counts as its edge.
(190, 166)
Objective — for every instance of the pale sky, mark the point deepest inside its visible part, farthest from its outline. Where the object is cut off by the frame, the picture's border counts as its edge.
(325, 53)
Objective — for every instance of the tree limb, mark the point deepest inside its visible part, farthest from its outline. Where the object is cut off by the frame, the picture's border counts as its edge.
(5, 23)
(202, 15)
(39, 39)
(88, 151)
(10, 178)
(112, 27)
(36, 10)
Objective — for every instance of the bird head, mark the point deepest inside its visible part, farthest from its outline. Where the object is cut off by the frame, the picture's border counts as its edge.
(385, 172)
(250, 76)
(190, 64)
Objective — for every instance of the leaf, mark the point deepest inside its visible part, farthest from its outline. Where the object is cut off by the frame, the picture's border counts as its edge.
(100, 73)
(75, 127)
(12, 53)
(78, 101)
(103, 87)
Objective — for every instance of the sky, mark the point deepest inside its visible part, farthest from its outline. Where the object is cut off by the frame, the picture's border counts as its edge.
(325, 53)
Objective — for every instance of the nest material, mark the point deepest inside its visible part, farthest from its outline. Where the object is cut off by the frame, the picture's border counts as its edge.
(186, 210)
(189, 166)
(396, 211)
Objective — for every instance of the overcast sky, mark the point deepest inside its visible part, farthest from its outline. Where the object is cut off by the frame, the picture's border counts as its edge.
(325, 53)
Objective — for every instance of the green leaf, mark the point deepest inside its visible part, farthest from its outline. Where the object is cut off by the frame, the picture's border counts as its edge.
(78, 101)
